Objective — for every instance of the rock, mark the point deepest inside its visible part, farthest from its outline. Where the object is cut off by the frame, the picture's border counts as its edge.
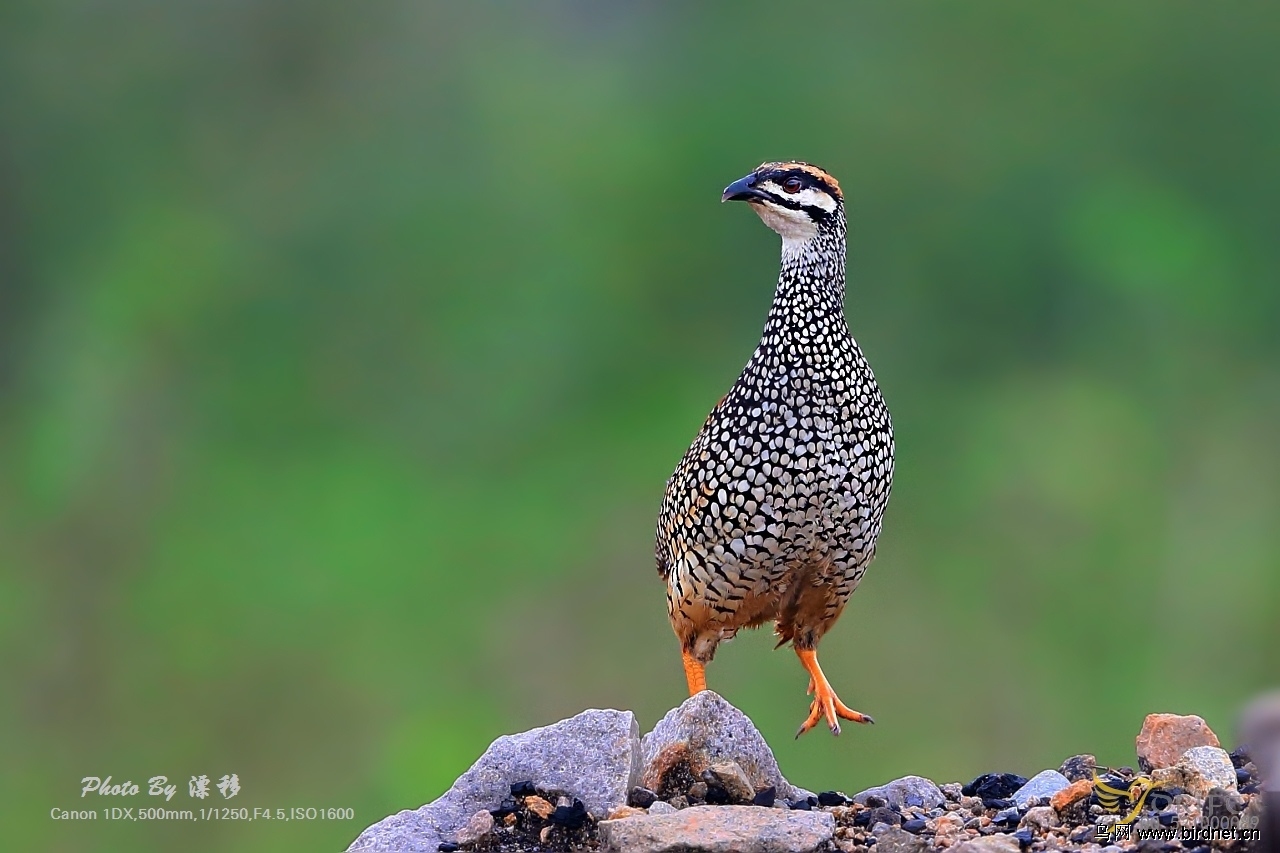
(480, 825)
(994, 786)
(706, 730)
(1200, 770)
(1072, 794)
(989, 844)
(766, 797)
(730, 776)
(894, 840)
(539, 806)
(679, 802)
(1079, 767)
(1165, 737)
(626, 811)
(1039, 818)
(949, 826)
(952, 791)
(909, 791)
(595, 756)
(1007, 817)
(720, 829)
(641, 798)
(661, 807)
(1044, 784)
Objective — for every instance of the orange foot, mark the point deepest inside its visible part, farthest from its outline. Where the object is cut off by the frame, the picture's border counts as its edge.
(694, 673)
(825, 701)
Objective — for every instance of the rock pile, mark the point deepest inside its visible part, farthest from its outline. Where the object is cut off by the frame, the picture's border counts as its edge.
(705, 780)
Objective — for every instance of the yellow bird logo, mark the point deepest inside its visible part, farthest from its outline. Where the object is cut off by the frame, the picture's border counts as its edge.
(1114, 800)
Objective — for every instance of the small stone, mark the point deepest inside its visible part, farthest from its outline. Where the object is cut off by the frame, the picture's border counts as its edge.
(1165, 737)
(885, 815)
(447, 847)
(1044, 784)
(765, 797)
(679, 802)
(721, 829)
(698, 791)
(948, 826)
(990, 844)
(893, 840)
(1079, 767)
(1198, 771)
(952, 791)
(994, 786)
(524, 788)
(660, 807)
(480, 825)
(832, 798)
(570, 816)
(1009, 817)
(545, 835)
(539, 806)
(880, 828)
(730, 776)
(1072, 794)
(909, 791)
(973, 804)
(915, 825)
(641, 797)
(1039, 818)
(1024, 838)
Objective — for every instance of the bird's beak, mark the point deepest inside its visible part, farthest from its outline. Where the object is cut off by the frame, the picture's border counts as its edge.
(742, 190)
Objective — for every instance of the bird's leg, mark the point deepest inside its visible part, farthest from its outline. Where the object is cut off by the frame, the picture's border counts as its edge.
(825, 701)
(694, 672)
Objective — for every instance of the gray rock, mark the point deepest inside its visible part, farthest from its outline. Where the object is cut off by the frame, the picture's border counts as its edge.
(1200, 770)
(894, 840)
(1039, 819)
(999, 843)
(1046, 783)
(595, 756)
(480, 825)
(909, 791)
(720, 829)
(1259, 730)
(704, 730)
(660, 807)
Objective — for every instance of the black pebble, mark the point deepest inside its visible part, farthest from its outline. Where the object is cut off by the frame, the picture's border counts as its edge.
(994, 786)
(1251, 788)
(1240, 757)
(801, 806)
(523, 789)
(998, 804)
(1025, 837)
(508, 807)
(570, 817)
(716, 796)
(641, 798)
(832, 798)
(1242, 776)
(915, 825)
(765, 797)
(448, 847)
(874, 802)
(1168, 818)
(1083, 834)
(862, 818)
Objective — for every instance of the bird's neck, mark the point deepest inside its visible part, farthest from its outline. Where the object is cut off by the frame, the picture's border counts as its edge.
(810, 295)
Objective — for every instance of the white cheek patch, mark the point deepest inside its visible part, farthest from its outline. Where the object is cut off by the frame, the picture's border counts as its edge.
(794, 226)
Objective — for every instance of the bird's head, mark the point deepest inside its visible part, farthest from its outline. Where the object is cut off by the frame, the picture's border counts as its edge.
(798, 200)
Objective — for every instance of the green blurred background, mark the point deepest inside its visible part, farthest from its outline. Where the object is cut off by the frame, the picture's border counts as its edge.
(345, 350)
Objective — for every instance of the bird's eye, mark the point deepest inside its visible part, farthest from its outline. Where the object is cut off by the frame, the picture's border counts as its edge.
(792, 185)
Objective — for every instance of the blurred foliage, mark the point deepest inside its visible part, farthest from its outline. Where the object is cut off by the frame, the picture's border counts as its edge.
(345, 350)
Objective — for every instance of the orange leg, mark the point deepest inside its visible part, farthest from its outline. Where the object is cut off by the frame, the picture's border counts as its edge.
(825, 701)
(695, 673)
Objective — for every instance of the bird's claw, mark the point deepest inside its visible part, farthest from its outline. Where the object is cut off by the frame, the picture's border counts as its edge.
(827, 704)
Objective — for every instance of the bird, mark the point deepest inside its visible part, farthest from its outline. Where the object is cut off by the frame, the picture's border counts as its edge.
(774, 511)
